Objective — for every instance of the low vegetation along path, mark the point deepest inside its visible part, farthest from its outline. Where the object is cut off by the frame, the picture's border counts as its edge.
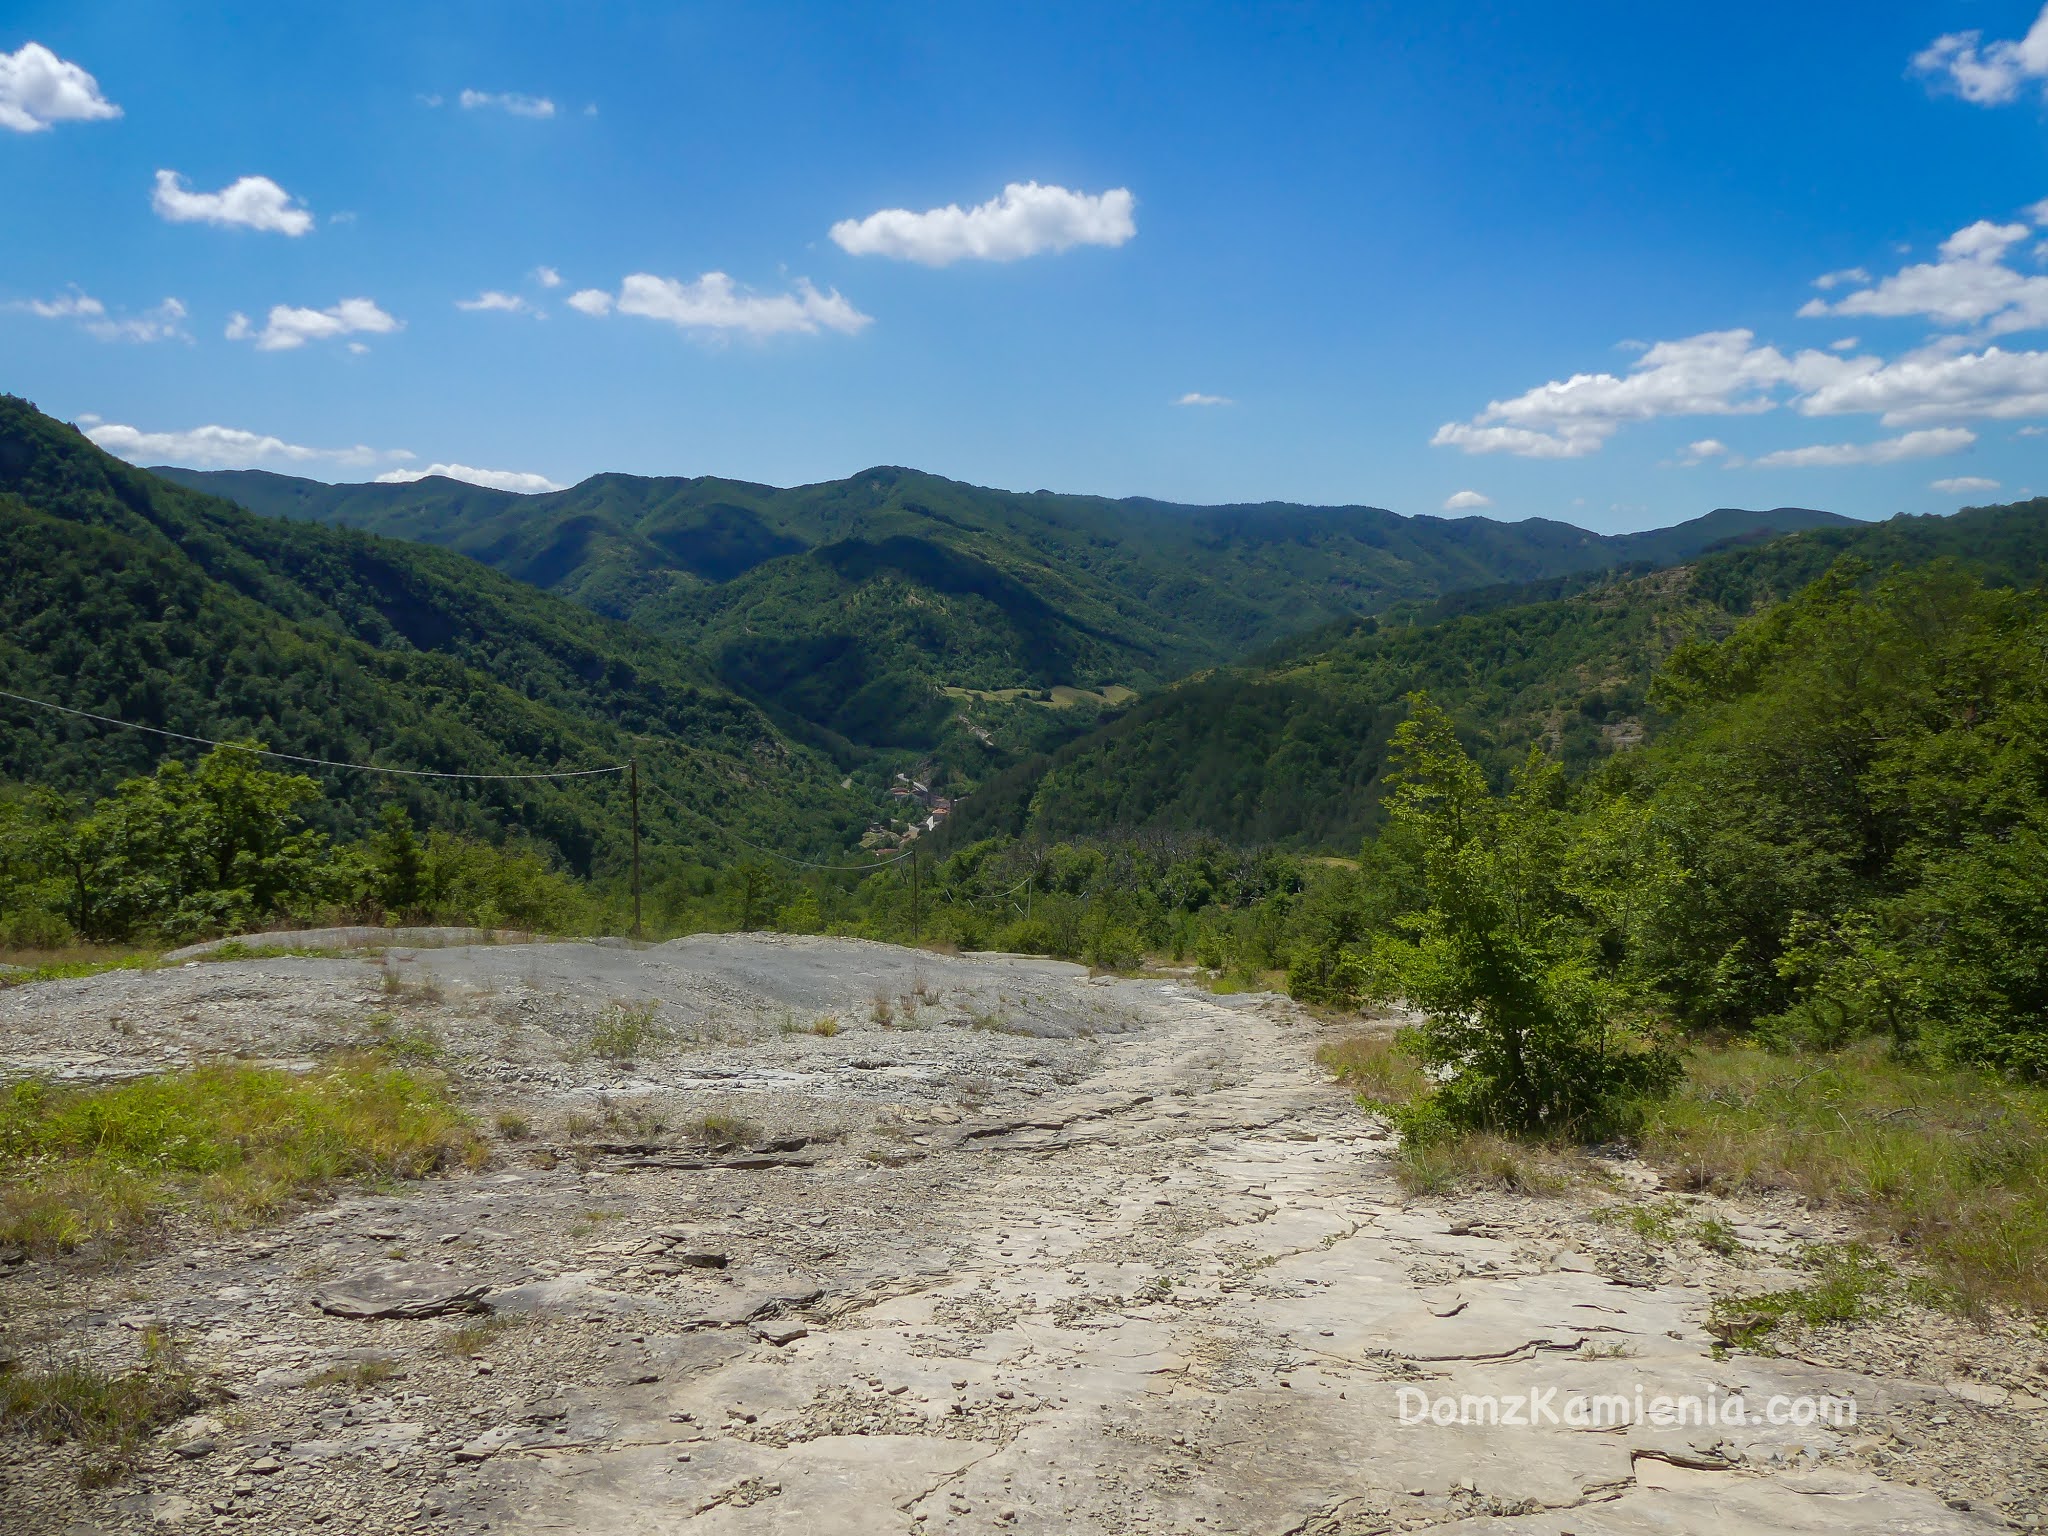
(863, 1239)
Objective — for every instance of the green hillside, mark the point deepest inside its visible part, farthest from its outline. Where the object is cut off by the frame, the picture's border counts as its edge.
(1289, 748)
(850, 606)
(129, 596)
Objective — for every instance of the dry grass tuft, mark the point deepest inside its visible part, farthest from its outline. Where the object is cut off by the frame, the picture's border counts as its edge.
(1375, 1067)
(355, 1375)
(112, 1414)
(626, 1031)
(724, 1132)
(1482, 1160)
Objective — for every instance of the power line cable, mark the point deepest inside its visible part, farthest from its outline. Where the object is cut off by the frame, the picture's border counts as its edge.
(293, 757)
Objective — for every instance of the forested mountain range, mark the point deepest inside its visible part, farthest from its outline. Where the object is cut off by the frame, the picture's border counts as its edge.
(1288, 747)
(127, 595)
(850, 607)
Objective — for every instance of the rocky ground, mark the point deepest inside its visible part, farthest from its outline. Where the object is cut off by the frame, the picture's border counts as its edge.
(1016, 1249)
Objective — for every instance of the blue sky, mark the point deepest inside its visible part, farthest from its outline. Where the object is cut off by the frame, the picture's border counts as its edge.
(1552, 257)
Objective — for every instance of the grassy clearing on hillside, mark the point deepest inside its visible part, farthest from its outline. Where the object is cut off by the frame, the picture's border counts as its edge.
(230, 1144)
(1953, 1164)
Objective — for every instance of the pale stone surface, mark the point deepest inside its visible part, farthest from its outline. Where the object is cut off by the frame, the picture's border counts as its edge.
(400, 1291)
(1136, 1269)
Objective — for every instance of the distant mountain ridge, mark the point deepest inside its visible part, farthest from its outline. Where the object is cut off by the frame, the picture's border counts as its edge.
(128, 596)
(1289, 747)
(848, 608)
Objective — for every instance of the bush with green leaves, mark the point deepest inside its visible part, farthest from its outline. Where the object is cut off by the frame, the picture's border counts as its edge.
(1528, 1029)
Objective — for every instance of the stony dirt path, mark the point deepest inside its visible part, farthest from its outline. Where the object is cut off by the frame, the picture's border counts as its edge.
(1046, 1254)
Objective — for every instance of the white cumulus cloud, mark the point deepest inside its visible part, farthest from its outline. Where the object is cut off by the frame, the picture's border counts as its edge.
(1025, 220)
(38, 89)
(1717, 373)
(1970, 285)
(217, 447)
(1466, 501)
(1925, 444)
(494, 479)
(1989, 74)
(253, 202)
(1964, 485)
(1935, 384)
(1971, 291)
(1707, 448)
(715, 305)
(547, 277)
(287, 327)
(1196, 397)
(163, 322)
(508, 101)
(492, 299)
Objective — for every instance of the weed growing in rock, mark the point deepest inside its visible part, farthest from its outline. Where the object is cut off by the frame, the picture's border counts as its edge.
(723, 1132)
(472, 1339)
(626, 1030)
(355, 1375)
(1848, 1283)
(111, 1414)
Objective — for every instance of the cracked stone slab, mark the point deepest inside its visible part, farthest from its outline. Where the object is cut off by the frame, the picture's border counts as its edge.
(400, 1291)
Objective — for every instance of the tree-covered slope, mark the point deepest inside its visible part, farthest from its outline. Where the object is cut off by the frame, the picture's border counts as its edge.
(853, 604)
(129, 596)
(1289, 748)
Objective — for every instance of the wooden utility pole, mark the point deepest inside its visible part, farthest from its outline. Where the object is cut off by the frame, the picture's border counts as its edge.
(633, 781)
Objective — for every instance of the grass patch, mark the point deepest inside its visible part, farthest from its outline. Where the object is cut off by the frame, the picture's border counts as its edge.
(1482, 1160)
(229, 1144)
(472, 1339)
(1375, 1067)
(414, 1044)
(513, 1126)
(1669, 1222)
(32, 968)
(723, 1132)
(1848, 1284)
(355, 1375)
(1953, 1164)
(625, 1031)
(110, 1413)
(240, 949)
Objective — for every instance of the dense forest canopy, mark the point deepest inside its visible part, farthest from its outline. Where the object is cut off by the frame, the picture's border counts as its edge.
(849, 608)
(1290, 747)
(131, 597)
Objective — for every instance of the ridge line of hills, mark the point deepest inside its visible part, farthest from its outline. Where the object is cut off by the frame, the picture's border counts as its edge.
(134, 595)
(896, 611)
